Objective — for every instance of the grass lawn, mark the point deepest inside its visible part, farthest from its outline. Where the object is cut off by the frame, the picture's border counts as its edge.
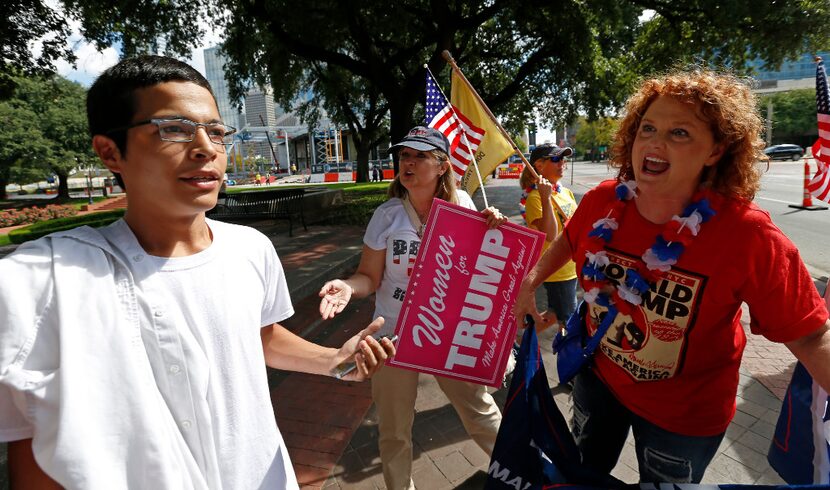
(4, 240)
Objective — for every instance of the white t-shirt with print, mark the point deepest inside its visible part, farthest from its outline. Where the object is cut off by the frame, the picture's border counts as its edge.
(391, 229)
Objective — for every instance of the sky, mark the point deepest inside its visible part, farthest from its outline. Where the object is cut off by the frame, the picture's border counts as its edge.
(91, 62)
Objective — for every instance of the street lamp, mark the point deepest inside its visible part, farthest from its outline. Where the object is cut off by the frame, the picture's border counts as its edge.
(89, 182)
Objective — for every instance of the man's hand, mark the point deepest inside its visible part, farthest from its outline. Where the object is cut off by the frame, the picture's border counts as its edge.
(335, 296)
(367, 353)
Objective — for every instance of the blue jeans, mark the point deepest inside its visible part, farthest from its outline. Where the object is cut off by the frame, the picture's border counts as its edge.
(600, 426)
(561, 298)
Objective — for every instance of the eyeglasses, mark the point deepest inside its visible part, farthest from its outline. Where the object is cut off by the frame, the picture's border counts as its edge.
(181, 130)
(555, 159)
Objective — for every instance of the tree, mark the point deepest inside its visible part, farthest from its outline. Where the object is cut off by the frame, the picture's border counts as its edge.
(25, 23)
(347, 102)
(593, 134)
(793, 116)
(49, 116)
(586, 59)
(21, 143)
(557, 58)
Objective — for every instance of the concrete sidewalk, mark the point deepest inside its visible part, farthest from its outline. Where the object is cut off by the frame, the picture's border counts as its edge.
(331, 428)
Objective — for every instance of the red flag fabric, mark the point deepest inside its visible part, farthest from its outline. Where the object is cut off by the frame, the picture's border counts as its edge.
(464, 136)
(819, 185)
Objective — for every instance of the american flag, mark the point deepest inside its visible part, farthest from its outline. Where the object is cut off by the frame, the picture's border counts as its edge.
(819, 186)
(463, 135)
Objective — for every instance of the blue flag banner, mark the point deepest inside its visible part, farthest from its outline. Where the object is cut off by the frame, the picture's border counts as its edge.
(535, 448)
(799, 451)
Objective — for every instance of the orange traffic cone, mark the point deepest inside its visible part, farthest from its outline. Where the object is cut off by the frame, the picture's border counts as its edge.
(807, 198)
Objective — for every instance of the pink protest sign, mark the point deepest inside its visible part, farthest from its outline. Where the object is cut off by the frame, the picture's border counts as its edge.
(457, 318)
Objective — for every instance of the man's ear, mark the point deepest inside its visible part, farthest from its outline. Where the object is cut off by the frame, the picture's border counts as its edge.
(107, 151)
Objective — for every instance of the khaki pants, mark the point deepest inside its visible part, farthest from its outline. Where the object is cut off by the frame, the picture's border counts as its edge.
(394, 391)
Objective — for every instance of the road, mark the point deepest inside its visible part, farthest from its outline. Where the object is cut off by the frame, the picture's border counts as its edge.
(781, 186)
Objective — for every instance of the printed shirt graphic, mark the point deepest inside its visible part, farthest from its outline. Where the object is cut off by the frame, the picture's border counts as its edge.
(676, 363)
(651, 345)
(391, 229)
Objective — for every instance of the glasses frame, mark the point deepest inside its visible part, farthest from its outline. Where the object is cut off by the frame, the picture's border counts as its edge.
(229, 130)
(555, 158)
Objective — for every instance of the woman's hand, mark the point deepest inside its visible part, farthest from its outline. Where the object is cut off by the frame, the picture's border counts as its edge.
(526, 305)
(494, 217)
(545, 188)
(336, 295)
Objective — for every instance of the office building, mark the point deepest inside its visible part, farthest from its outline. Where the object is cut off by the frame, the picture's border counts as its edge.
(215, 74)
(792, 75)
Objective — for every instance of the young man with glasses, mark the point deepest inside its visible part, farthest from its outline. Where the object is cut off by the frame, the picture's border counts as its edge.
(547, 207)
(134, 356)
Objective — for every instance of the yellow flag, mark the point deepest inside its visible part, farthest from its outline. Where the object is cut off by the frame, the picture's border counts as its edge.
(493, 149)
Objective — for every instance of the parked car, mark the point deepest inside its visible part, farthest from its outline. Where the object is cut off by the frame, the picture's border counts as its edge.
(784, 152)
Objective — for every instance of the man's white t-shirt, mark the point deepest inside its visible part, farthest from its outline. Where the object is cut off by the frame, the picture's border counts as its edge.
(200, 319)
(391, 229)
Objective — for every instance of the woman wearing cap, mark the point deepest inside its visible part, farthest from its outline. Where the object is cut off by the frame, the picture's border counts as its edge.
(547, 207)
(667, 254)
(390, 246)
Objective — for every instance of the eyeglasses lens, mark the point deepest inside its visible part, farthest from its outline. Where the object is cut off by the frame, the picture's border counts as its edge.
(183, 131)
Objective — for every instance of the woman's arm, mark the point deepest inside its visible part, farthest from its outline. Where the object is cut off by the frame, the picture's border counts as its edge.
(336, 294)
(813, 350)
(552, 260)
(547, 223)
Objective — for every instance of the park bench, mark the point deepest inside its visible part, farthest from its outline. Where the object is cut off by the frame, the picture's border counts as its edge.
(276, 204)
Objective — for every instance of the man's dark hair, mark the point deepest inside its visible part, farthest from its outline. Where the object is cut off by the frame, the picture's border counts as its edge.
(110, 102)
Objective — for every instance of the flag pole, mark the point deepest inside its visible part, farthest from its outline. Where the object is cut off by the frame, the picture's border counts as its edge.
(448, 57)
(463, 135)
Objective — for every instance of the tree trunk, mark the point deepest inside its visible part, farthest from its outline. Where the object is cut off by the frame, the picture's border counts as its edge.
(4, 181)
(362, 160)
(400, 122)
(63, 185)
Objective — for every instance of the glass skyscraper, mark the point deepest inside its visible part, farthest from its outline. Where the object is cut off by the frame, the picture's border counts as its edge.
(215, 73)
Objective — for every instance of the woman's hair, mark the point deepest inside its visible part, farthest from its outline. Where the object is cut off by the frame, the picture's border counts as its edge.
(526, 179)
(444, 189)
(726, 103)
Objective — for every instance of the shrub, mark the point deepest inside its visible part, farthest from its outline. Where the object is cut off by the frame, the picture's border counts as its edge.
(14, 217)
(44, 228)
(357, 207)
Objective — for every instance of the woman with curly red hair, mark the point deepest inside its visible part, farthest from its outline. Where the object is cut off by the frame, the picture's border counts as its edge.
(666, 254)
